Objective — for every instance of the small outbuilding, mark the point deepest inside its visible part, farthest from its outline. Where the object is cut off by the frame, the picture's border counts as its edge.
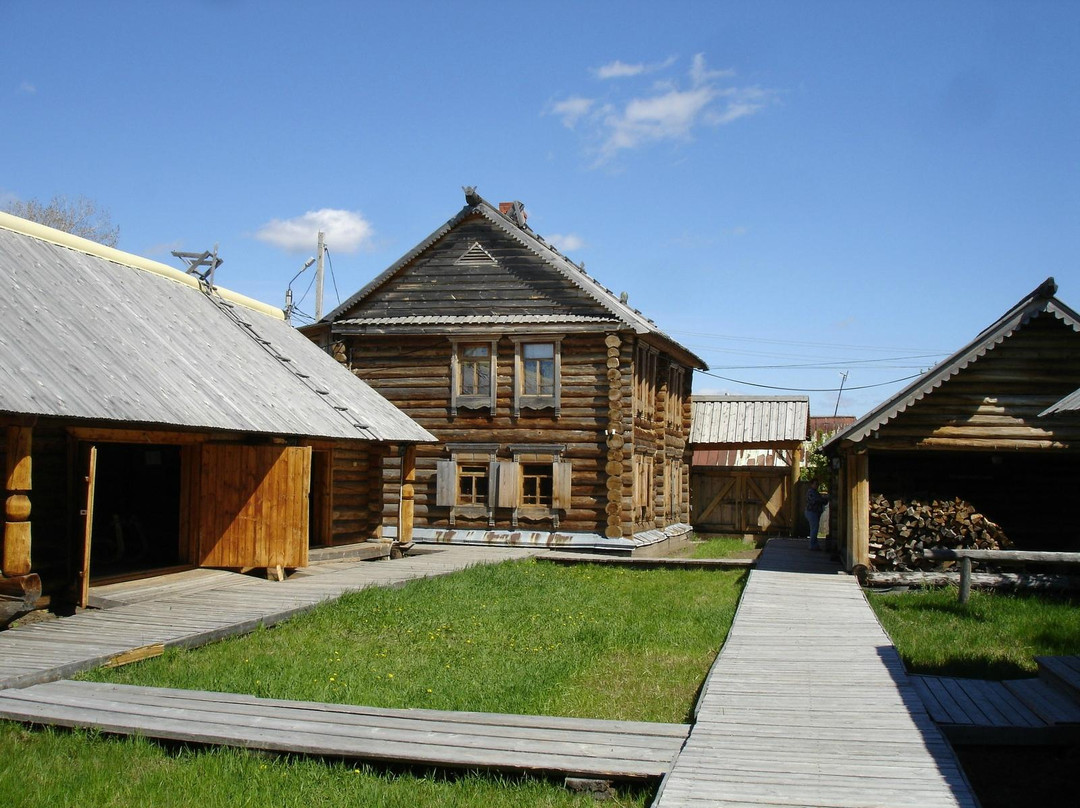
(747, 453)
(153, 421)
(996, 424)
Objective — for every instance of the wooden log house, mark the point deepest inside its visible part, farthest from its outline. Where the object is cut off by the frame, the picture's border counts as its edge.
(747, 454)
(564, 414)
(996, 424)
(152, 421)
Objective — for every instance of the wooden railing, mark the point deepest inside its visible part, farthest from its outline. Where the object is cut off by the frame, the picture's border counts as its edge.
(965, 557)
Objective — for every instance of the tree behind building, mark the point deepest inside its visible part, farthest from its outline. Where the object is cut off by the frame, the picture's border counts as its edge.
(80, 217)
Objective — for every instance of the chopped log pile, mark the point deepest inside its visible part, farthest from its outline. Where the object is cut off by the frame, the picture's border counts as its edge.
(900, 529)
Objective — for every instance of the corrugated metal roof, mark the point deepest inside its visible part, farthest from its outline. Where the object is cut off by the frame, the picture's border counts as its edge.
(1041, 301)
(748, 419)
(625, 314)
(82, 336)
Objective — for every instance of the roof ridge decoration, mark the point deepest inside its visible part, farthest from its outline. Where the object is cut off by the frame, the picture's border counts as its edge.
(61, 238)
(524, 235)
(1040, 301)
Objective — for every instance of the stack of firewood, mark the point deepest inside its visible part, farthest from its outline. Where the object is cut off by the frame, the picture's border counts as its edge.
(900, 529)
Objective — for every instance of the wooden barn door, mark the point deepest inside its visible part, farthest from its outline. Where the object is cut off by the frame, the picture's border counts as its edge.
(253, 506)
(738, 500)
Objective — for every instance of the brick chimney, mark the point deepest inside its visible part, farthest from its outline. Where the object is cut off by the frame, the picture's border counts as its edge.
(515, 211)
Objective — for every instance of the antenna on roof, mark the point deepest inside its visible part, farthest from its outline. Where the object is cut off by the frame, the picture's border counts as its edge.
(206, 259)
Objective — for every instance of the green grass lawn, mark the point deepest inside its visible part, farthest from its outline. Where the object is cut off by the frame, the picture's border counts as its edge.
(519, 637)
(721, 547)
(993, 636)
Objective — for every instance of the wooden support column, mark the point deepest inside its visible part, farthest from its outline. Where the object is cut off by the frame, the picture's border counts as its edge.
(406, 501)
(858, 510)
(17, 485)
(791, 506)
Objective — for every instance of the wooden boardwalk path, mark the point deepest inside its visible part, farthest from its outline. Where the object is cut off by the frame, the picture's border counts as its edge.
(808, 704)
(191, 615)
(517, 743)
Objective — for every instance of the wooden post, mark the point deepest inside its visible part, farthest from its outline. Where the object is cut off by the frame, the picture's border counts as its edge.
(17, 485)
(965, 579)
(858, 527)
(791, 506)
(405, 502)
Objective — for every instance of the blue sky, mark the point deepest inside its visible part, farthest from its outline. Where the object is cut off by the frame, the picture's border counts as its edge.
(861, 186)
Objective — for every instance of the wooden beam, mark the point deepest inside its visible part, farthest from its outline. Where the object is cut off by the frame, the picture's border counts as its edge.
(858, 503)
(406, 503)
(18, 481)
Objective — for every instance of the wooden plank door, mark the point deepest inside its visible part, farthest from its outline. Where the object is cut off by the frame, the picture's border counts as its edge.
(253, 506)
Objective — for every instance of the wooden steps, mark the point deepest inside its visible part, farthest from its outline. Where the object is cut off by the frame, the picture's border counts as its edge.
(1062, 672)
(1018, 711)
(538, 744)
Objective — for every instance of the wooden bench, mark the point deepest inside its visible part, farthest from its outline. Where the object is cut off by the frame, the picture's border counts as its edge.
(965, 557)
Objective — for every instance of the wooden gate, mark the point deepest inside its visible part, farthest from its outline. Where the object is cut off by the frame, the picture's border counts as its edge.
(253, 506)
(742, 500)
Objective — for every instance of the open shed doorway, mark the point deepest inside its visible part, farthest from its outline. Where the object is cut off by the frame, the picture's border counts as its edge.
(136, 510)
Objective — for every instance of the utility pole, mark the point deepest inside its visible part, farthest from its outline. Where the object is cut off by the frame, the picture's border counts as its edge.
(319, 275)
(843, 378)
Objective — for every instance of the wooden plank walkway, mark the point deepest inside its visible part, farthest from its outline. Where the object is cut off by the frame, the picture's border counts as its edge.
(536, 744)
(808, 704)
(194, 615)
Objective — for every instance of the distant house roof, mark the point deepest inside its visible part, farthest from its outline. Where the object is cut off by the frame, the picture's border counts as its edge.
(757, 420)
(830, 423)
(1041, 301)
(618, 312)
(89, 332)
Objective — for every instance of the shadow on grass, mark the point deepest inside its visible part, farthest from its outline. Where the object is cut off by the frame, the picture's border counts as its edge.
(972, 667)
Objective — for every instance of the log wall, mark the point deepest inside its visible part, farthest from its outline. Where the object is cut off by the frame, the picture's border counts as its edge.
(994, 403)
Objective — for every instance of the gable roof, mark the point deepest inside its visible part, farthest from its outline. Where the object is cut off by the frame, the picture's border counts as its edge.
(1071, 403)
(758, 420)
(617, 312)
(1041, 301)
(93, 333)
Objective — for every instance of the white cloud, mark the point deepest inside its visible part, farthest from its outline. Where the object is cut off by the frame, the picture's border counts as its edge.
(346, 231)
(572, 110)
(565, 243)
(27, 88)
(661, 111)
(622, 70)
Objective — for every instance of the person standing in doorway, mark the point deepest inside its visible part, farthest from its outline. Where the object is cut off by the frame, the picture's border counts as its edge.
(815, 504)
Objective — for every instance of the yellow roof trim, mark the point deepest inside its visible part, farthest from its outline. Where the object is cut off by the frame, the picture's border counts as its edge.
(62, 239)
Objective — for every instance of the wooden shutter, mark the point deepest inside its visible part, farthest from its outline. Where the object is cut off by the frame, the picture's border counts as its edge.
(445, 483)
(253, 508)
(509, 486)
(560, 488)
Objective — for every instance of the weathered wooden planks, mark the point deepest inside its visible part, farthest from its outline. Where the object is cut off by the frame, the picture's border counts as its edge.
(577, 747)
(808, 704)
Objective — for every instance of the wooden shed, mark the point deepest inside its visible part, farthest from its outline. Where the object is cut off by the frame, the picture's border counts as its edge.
(747, 452)
(153, 421)
(563, 412)
(995, 424)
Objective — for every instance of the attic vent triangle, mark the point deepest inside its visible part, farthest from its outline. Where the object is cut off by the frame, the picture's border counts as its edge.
(475, 256)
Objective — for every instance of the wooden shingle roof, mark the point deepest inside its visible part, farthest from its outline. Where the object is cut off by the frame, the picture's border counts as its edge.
(88, 332)
(595, 305)
(749, 420)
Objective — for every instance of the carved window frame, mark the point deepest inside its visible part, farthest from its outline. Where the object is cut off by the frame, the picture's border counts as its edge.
(459, 400)
(537, 402)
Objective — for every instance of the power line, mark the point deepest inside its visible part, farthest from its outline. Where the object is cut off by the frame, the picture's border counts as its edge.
(807, 389)
(735, 338)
